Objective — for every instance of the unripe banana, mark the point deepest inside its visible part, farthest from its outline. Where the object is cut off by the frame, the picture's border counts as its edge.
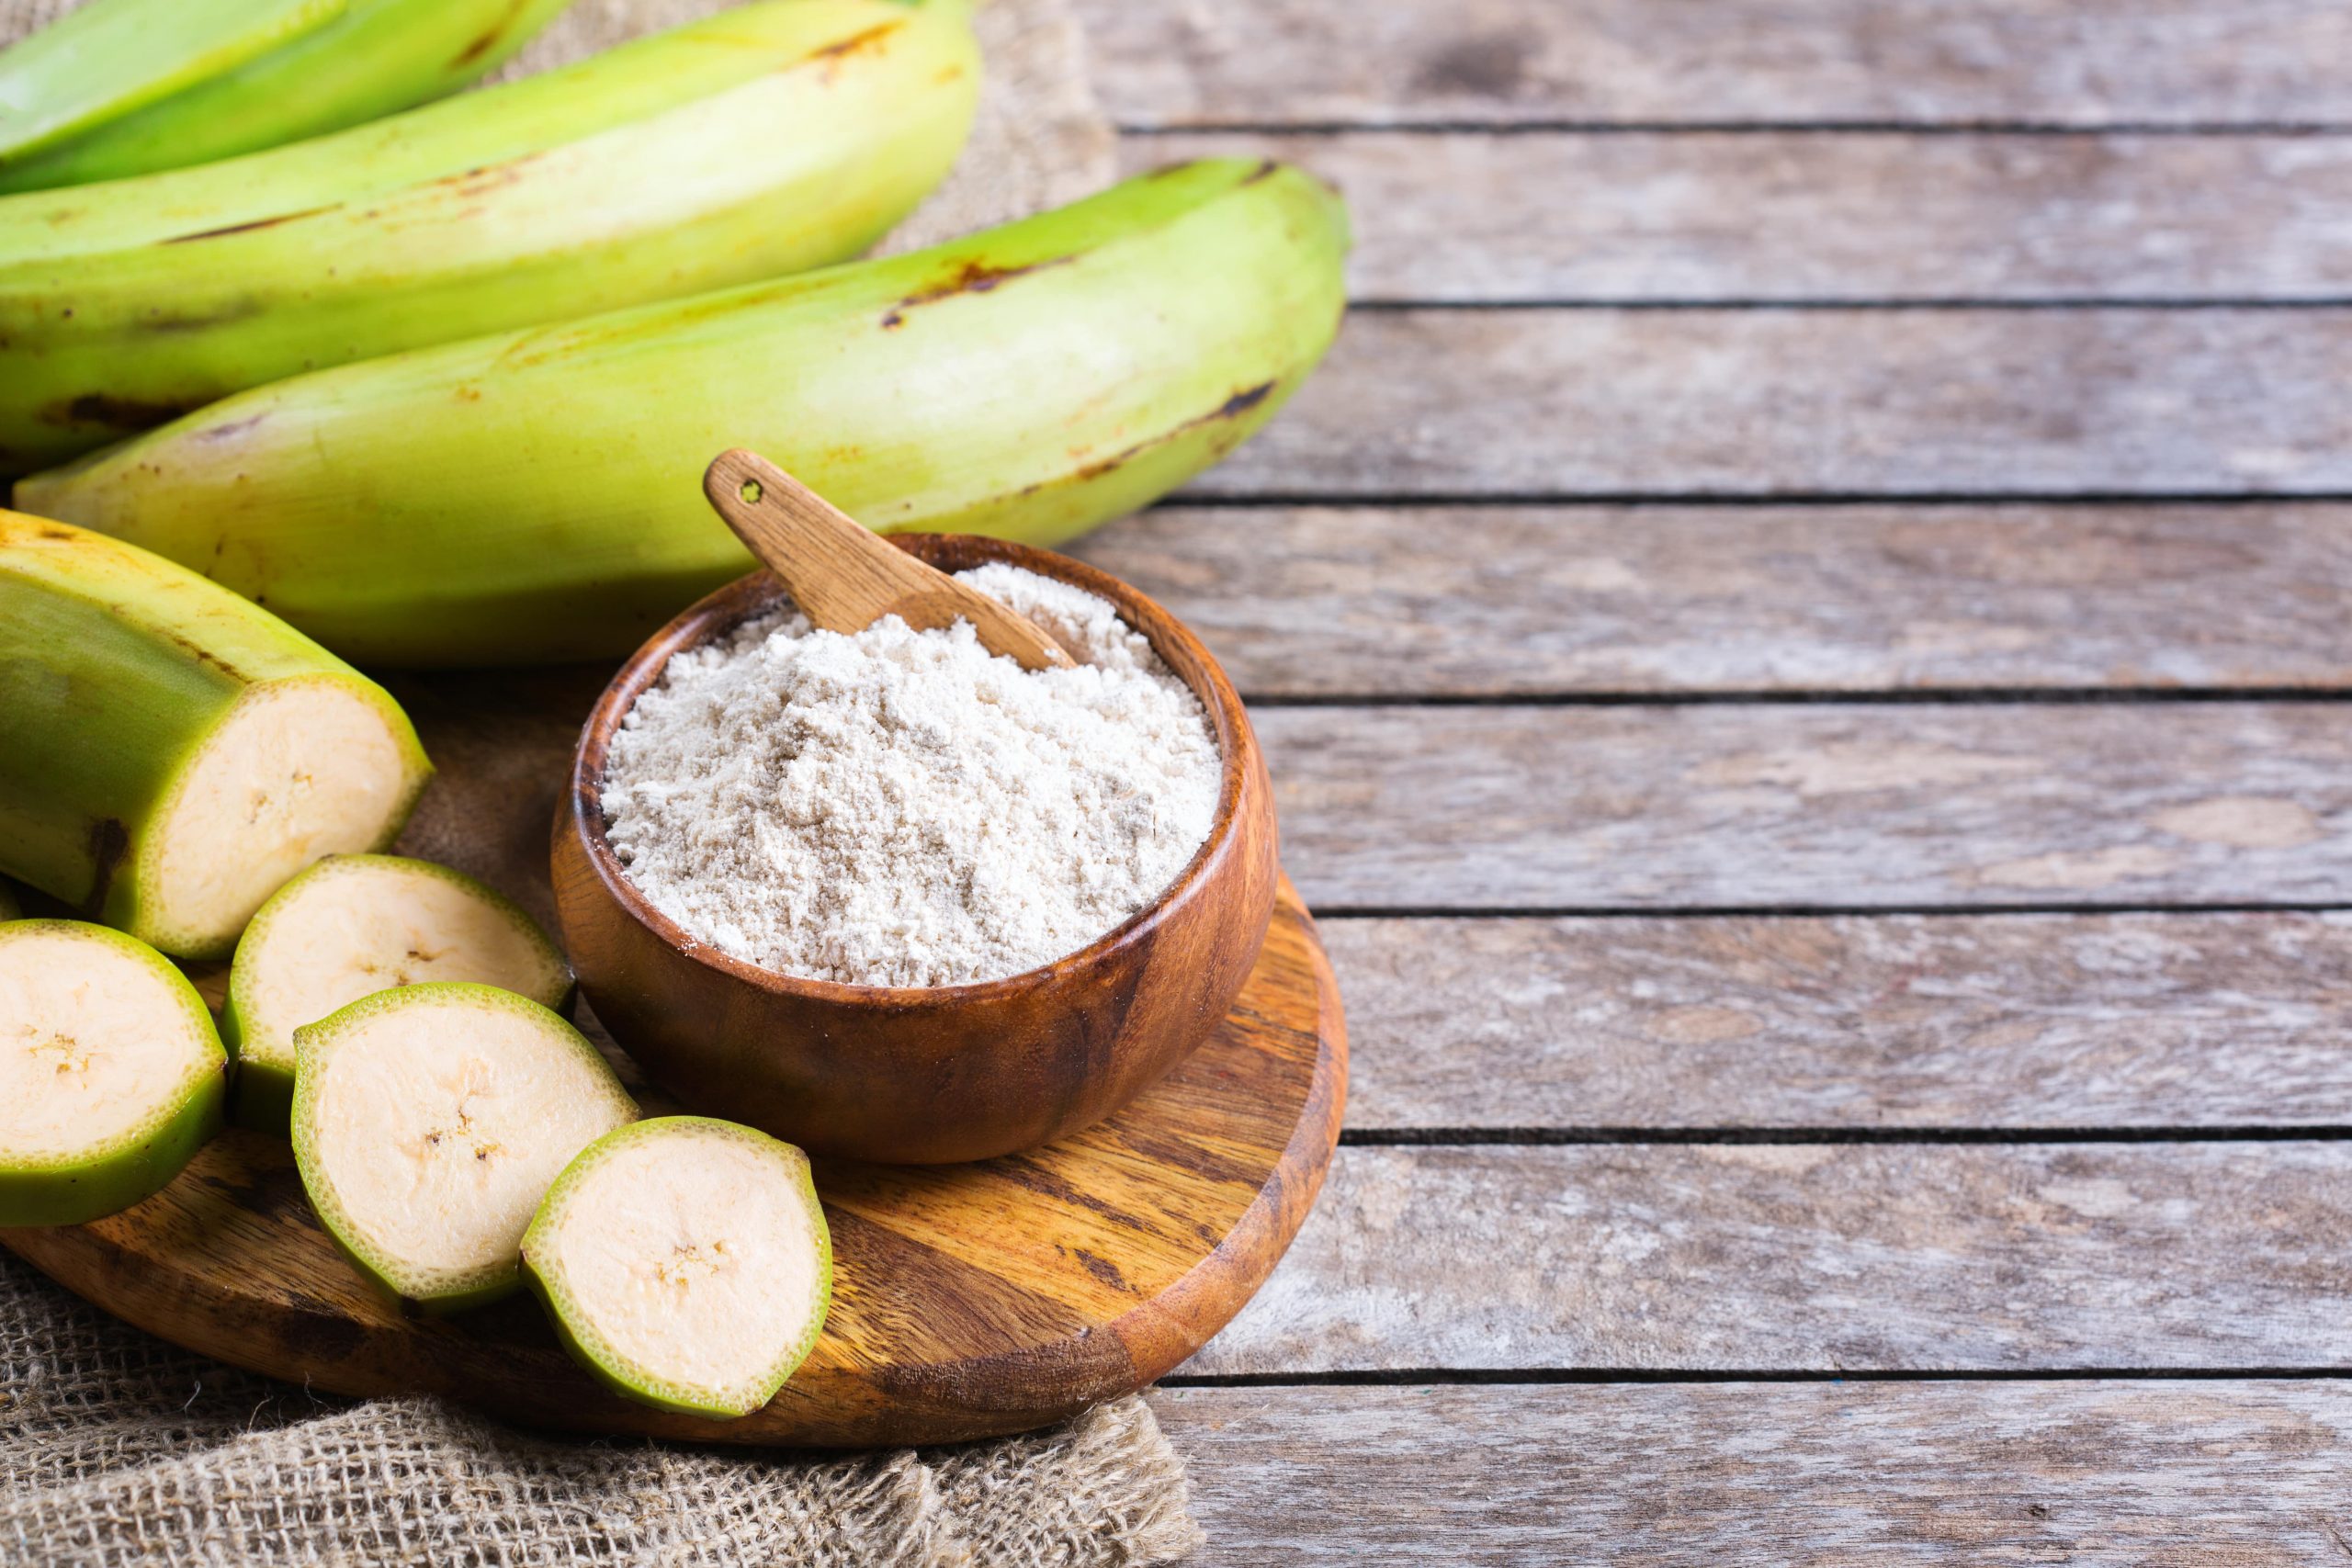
(171, 753)
(260, 81)
(538, 496)
(619, 180)
(101, 62)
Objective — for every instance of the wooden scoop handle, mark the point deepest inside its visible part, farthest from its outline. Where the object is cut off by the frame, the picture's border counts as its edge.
(845, 576)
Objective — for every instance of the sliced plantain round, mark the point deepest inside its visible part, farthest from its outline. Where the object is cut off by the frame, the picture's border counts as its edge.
(111, 1074)
(354, 925)
(685, 1263)
(428, 1123)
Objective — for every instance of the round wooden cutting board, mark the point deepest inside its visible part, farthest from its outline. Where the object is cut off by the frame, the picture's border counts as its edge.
(967, 1300)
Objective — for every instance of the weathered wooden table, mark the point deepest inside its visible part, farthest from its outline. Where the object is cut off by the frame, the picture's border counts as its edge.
(1802, 635)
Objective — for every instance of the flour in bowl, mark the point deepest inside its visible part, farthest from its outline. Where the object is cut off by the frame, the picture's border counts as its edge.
(904, 808)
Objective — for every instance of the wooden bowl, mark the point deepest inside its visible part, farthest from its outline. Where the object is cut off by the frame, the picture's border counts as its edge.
(922, 1074)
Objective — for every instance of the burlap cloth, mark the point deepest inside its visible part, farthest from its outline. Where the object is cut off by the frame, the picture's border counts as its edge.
(118, 1449)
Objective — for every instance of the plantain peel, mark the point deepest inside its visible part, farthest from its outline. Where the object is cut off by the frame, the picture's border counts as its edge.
(535, 496)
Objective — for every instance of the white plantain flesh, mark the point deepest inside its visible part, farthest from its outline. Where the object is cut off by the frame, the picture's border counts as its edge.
(170, 753)
(111, 1074)
(354, 925)
(429, 1122)
(685, 1262)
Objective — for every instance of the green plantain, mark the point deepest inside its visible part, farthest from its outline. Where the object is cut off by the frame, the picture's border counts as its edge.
(619, 180)
(537, 496)
(171, 753)
(123, 87)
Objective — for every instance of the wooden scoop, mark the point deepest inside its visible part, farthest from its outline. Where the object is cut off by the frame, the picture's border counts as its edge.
(845, 576)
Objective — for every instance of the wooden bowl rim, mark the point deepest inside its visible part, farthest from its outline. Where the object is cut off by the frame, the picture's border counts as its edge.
(729, 606)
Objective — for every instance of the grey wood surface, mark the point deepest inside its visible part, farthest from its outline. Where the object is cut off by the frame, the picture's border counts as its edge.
(1847, 1024)
(2073, 62)
(1908, 401)
(1984, 354)
(1794, 216)
(2155, 1474)
(1406, 601)
(1812, 1257)
(1852, 805)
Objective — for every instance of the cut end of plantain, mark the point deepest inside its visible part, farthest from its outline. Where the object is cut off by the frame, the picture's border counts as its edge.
(429, 1122)
(170, 753)
(111, 1074)
(296, 770)
(687, 1263)
(352, 926)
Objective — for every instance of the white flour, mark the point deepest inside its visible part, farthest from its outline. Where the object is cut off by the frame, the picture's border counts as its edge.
(903, 808)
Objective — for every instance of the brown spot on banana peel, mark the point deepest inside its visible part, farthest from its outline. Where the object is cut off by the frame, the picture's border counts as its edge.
(1234, 407)
(485, 177)
(249, 227)
(857, 43)
(162, 322)
(230, 430)
(489, 40)
(973, 276)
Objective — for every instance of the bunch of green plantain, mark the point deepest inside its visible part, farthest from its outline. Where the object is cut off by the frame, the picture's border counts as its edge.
(439, 389)
(761, 141)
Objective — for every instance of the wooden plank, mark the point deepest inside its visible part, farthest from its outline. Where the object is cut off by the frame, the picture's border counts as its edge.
(1886, 1022)
(1980, 402)
(1775, 806)
(2158, 1474)
(1491, 601)
(2058, 61)
(1814, 1257)
(1700, 216)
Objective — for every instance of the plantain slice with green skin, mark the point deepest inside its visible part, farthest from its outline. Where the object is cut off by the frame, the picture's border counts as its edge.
(111, 1074)
(325, 68)
(428, 1123)
(170, 754)
(685, 1263)
(622, 179)
(538, 496)
(354, 925)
